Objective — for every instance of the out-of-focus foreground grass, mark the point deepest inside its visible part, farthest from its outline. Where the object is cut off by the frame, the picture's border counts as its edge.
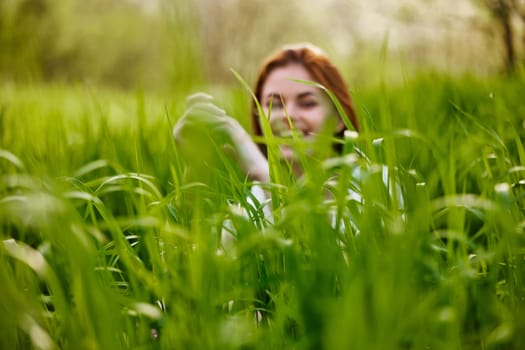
(107, 242)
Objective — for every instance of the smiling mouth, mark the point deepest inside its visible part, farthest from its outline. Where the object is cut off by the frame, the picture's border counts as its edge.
(283, 131)
(289, 133)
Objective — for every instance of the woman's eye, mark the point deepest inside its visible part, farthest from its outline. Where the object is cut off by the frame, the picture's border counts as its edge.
(275, 103)
(308, 104)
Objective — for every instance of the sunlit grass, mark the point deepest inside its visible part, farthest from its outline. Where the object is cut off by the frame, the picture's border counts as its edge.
(109, 241)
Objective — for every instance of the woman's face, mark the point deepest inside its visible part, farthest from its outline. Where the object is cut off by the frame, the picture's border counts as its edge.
(305, 105)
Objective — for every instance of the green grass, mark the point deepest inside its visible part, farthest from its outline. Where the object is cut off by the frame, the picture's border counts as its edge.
(100, 220)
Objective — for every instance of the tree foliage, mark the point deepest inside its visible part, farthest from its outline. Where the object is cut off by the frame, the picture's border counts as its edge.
(108, 42)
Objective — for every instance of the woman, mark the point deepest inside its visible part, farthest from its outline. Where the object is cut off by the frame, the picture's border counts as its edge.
(291, 90)
(290, 104)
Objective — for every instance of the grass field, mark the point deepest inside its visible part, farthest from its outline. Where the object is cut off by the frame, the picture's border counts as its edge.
(108, 241)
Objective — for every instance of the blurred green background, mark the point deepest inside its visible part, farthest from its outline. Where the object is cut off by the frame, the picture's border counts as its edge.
(163, 45)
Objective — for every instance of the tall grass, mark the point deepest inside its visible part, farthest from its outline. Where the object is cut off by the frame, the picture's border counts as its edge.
(110, 241)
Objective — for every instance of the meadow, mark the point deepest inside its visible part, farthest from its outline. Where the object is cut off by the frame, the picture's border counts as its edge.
(110, 241)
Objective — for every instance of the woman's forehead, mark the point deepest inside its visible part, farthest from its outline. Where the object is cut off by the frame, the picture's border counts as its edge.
(280, 81)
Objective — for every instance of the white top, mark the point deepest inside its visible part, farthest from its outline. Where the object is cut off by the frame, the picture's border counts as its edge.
(260, 211)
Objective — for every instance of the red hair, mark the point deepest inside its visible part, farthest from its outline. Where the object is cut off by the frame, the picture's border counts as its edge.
(322, 70)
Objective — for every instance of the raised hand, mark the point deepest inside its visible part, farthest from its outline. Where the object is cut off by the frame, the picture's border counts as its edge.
(204, 121)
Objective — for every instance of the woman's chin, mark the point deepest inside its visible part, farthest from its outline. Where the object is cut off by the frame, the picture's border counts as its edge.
(287, 154)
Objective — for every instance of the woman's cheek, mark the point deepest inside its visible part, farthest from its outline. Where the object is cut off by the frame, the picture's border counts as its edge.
(317, 118)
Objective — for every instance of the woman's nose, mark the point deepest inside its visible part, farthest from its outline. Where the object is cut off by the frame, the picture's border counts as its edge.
(282, 120)
(288, 115)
